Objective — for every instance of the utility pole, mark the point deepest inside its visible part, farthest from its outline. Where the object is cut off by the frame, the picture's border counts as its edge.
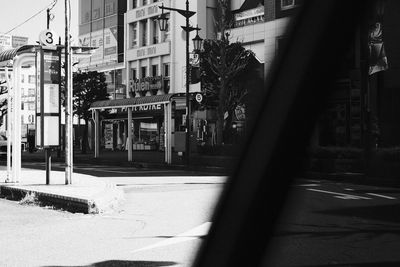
(68, 87)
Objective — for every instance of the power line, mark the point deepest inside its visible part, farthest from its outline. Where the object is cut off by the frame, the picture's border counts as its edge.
(52, 4)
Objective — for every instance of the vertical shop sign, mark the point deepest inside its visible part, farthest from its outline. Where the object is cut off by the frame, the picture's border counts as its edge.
(108, 135)
(48, 97)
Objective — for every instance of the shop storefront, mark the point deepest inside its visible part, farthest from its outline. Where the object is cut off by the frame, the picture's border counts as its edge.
(135, 124)
(147, 126)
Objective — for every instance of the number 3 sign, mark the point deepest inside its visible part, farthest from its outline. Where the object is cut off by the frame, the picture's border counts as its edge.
(48, 37)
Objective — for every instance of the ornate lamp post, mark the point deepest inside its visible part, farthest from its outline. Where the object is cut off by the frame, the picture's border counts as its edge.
(162, 20)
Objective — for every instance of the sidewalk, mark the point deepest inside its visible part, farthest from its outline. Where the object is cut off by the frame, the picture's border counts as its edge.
(145, 159)
(86, 194)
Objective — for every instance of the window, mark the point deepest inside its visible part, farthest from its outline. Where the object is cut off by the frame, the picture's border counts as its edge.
(166, 69)
(97, 9)
(84, 28)
(31, 91)
(286, 4)
(110, 21)
(143, 72)
(133, 74)
(31, 78)
(133, 35)
(134, 4)
(155, 31)
(110, 7)
(84, 10)
(22, 78)
(97, 25)
(145, 2)
(144, 32)
(154, 70)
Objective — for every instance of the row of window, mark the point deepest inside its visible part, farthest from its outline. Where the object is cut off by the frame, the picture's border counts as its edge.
(96, 25)
(154, 71)
(91, 10)
(139, 3)
(27, 105)
(287, 4)
(145, 32)
(31, 79)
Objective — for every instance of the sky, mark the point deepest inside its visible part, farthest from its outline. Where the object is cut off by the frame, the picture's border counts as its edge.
(15, 12)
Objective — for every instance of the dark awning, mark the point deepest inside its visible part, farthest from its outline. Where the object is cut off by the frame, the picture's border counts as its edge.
(130, 102)
(250, 4)
(11, 53)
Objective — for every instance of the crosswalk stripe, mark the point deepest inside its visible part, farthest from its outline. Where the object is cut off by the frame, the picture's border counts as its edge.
(192, 234)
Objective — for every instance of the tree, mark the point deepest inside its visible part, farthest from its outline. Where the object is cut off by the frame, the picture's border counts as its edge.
(88, 87)
(222, 63)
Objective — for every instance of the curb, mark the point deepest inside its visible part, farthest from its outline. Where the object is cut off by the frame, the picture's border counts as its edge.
(105, 200)
(71, 204)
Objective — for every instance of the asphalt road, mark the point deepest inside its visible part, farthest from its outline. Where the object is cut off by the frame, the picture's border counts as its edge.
(161, 223)
(167, 213)
(338, 224)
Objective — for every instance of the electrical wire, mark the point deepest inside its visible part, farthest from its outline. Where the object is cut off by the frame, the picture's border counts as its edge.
(52, 5)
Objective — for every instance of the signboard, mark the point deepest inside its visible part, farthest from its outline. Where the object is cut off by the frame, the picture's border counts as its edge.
(199, 97)
(96, 40)
(48, 97)
(108, 135)
(48, 38)
(5, 42)
(146, 84)
(149, 51)
(110, 43)
(150, 107)
(19, 41)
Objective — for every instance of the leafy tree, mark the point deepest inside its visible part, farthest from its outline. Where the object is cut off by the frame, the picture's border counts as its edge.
(222, 65)
(88, 87)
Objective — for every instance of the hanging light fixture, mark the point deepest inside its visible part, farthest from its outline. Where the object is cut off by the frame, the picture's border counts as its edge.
(163, 20)
(197, 41)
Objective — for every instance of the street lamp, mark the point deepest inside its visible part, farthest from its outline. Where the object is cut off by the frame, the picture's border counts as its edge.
(197, 41)
(162, 20)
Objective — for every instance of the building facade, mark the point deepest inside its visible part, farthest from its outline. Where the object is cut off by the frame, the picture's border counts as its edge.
(101, 24)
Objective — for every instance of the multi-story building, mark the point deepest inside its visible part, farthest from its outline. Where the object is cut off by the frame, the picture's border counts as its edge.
(101, 24)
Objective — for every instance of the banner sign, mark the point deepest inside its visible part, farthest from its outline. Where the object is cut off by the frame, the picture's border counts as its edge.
(146, 84)
(48, 111)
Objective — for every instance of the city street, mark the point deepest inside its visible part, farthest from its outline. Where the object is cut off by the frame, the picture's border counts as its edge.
(166, 214)
(338, 224)
(160, 223)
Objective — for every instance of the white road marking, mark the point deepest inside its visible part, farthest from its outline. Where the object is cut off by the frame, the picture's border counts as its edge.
(308, 185)
(339, 195)
(349, 189)
(192, 234)
(383, 196)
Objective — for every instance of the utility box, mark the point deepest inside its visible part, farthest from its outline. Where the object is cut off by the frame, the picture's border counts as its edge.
(48, 101)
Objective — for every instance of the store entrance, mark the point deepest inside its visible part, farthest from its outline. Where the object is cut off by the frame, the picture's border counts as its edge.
(148, 134)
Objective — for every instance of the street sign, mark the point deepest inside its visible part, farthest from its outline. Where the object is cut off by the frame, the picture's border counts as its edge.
(199, 97)
(48, 38)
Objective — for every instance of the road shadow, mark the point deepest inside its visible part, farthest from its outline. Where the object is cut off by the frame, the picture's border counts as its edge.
(387, 213)
(123, 263)
(361, 264)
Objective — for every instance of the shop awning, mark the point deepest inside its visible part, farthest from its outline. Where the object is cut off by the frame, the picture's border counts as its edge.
(11, 53)
(131, 102)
